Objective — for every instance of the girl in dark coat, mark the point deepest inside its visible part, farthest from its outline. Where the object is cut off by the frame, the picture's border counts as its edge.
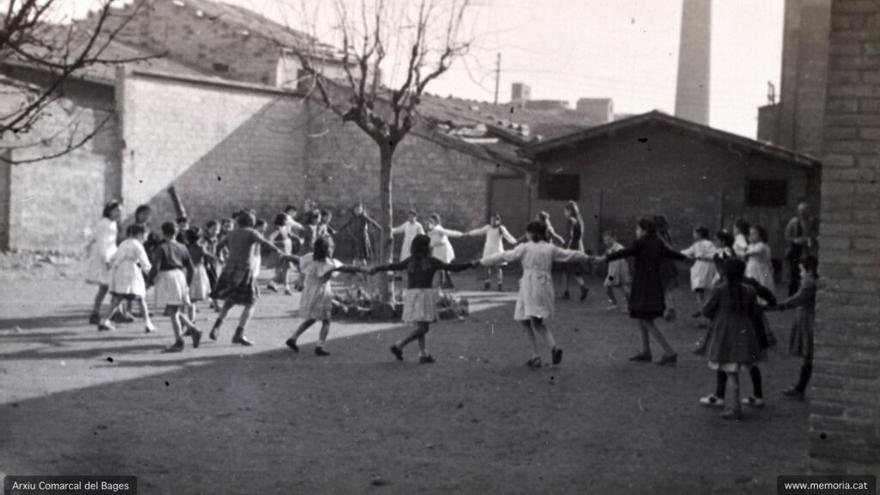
(734, 343)
(359, 225)
(646, 302)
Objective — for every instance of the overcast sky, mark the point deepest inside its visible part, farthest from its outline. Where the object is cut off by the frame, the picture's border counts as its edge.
(623, 49)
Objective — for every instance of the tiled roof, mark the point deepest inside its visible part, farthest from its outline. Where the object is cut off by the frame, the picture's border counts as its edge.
(254, 23)
(57, 37)
(658, 118)
(528, 124)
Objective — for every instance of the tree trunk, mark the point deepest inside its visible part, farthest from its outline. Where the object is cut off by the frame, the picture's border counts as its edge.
(386, 218)
(177, 202)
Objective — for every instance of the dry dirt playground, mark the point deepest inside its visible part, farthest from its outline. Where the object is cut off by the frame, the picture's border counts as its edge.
(223, 419)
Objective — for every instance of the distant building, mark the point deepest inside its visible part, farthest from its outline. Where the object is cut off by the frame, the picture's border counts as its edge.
(698, 175)
(796, 121)
(520, 93)
(598, 110)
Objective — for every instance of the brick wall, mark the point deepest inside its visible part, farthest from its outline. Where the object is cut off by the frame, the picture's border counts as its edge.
(343, 169)
(694, 180)
(228, 146)
(845, 408)
(208, 43)
(53, 204)
(223, 147)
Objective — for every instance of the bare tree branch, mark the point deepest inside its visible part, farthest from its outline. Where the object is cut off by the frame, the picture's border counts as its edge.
(60, 52)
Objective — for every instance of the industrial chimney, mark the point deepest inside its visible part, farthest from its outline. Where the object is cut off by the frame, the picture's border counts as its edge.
(694, 61)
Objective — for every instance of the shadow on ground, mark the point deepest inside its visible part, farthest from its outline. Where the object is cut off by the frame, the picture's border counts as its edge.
(477, 421)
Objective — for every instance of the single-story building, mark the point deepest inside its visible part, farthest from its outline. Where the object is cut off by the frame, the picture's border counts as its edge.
(657, 164)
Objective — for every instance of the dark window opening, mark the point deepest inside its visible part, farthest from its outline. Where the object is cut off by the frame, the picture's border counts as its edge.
(559, 187)
(218, 67)
(767, 193)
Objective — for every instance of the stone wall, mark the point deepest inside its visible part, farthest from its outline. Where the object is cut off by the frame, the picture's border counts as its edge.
(52, 204)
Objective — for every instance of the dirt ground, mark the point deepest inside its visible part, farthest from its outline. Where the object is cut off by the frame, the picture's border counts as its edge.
(223, 419)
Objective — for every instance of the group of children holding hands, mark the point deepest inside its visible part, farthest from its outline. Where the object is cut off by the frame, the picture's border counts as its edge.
(732, 278)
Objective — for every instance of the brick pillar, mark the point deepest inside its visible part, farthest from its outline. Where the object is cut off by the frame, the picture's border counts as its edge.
(845, 407)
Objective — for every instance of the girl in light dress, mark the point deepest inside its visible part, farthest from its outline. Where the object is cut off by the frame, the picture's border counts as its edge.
(759, 265)
(129, 263)
(200, 286)
(280, 236)
(101, 249)
(741, 230)
(316, 303)
(703, 271)
(495, 234)
(535, 300)
(618, 276)
(441, 248)
(420, 296)
(410, 229)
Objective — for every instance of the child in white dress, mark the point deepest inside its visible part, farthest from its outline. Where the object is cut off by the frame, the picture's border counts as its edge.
(759, 265)
(410, 229)
(316, 303)
(535, 300)
(441, 248)
(618, 276)
(127, 276)
(741, 230)
(703, 270)
(495, 234)
(101, 249)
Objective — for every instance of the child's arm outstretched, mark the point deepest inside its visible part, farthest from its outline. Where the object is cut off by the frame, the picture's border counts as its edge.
(477, 231)
(805, 293)
(507, 237)
(561, 255)
(514, 254)
(391, 267)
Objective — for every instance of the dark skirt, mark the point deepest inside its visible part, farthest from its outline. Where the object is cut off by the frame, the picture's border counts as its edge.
(669, 275)
(800, 342)
(645, 315)
(211, 270)
(238, 285)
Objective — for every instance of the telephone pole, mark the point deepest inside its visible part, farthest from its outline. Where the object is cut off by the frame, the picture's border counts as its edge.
(497, 75)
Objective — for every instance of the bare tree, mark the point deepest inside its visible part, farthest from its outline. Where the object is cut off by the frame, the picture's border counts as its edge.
(29, 37)
(424, 37)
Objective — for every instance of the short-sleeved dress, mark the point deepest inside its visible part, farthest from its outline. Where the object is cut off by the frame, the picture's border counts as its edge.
(316, 302)
(441, 248)
(759, 265)
(101, 252)
(238, 280)
(800, 342)
(536, 298)
(702, 271)
(733, 339)
(172, 271)
(618, 270)
(129, 264)
(200, 287)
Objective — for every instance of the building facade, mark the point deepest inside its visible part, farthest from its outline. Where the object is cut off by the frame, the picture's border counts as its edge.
(845, 397)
